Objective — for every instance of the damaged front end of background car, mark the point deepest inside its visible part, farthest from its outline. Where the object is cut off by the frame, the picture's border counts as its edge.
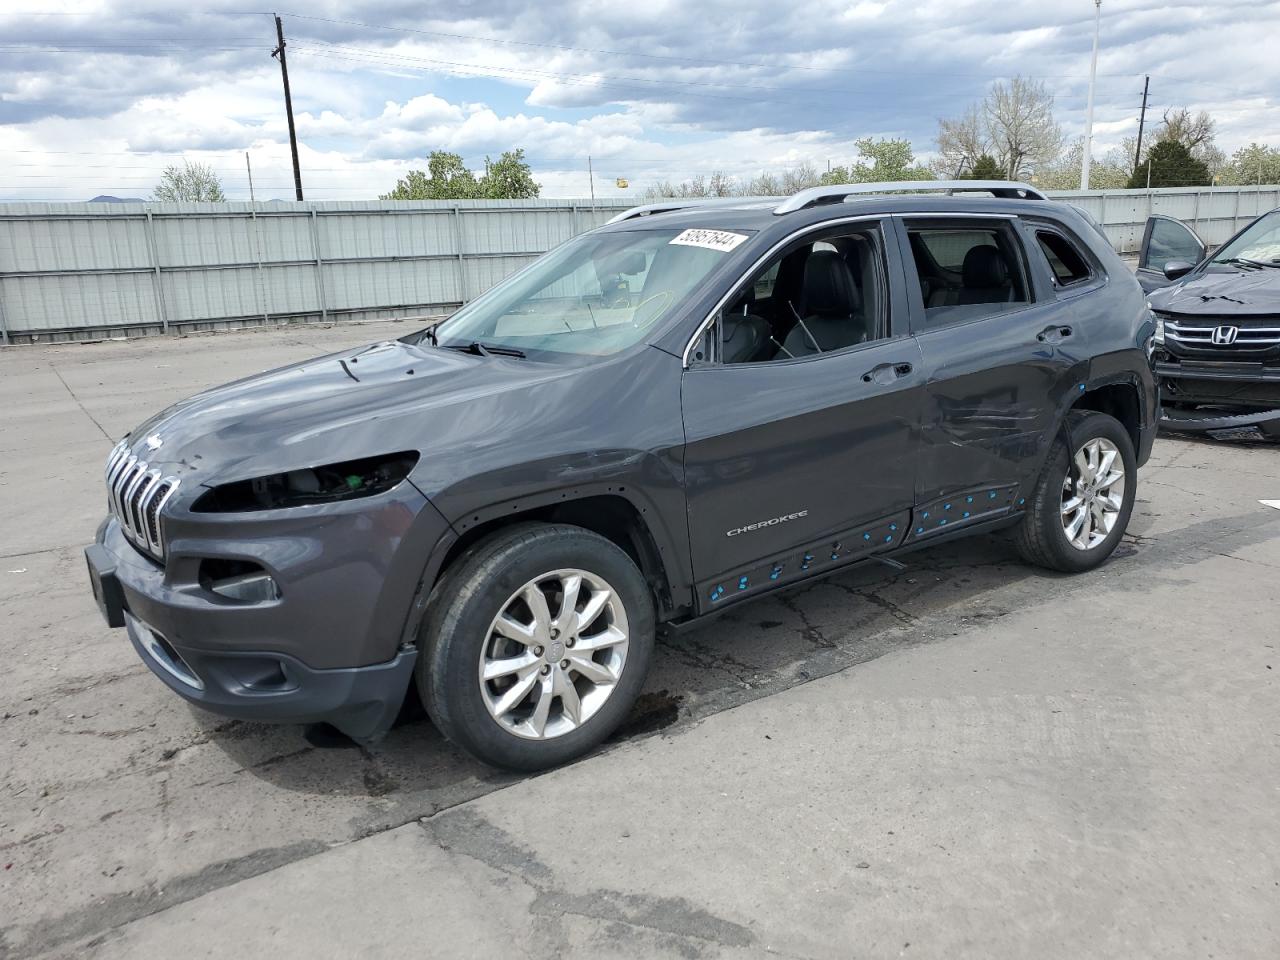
(1216, 348)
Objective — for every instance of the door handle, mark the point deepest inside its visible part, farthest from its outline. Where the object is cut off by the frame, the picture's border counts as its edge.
(1053, 334)
(887, 372)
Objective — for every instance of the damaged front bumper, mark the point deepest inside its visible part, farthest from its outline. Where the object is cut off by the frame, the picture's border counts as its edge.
(1223, 425)
(242, 659)
(1228, 401)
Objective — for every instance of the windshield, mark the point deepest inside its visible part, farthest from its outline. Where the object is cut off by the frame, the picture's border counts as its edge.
(595, 295)
(1261, 242)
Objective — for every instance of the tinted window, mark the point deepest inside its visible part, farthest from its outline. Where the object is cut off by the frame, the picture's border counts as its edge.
(816, 297)
(1065, 260)
(967, 272)
(1170, 240)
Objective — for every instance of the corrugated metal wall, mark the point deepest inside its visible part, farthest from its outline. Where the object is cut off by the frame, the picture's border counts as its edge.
(1215, 212)
(86, 269)
(70, 270)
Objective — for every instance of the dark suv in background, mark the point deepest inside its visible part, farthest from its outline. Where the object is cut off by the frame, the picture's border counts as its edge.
(1217, 340)
(693, 406)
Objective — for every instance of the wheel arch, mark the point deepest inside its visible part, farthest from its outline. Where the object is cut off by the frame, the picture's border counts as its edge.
(615, 512)
(1120, 399)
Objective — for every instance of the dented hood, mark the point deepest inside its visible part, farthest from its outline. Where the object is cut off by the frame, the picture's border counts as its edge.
(1235, 293)
(378, 399)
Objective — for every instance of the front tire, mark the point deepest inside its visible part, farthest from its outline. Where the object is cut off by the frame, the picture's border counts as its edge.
(1083, 498)
(536, 645)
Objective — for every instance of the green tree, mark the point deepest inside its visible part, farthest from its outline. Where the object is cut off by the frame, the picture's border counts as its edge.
(1171, 165)
(191, 181)
(1254, 164)
(888, 160)
(447, 178)
(508, 178)
(986, 167)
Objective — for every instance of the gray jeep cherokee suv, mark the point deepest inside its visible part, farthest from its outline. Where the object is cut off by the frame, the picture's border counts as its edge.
(692, 406)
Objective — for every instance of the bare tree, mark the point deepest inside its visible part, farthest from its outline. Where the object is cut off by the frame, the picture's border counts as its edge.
(191, 181)
(1020, 125)
(961, 142)
(798, 178)
(1108, 172)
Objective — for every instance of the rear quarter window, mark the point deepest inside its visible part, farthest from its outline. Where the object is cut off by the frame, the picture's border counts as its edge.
(1067, 264)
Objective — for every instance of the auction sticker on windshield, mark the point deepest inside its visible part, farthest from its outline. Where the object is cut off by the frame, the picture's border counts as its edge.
(711, 239)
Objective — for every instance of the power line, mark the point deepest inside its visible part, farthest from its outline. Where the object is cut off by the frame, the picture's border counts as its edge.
(669, 58)
(432, 65)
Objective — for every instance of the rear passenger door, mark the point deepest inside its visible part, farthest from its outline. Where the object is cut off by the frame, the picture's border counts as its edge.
(1000, 358)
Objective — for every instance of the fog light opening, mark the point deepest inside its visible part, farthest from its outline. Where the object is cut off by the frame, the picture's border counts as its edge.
(241, 581)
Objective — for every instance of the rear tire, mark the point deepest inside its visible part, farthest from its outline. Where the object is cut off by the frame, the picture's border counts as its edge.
(1083, 498)
(535, 645)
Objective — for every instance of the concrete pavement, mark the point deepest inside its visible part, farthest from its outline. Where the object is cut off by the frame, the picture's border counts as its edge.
(999, 762)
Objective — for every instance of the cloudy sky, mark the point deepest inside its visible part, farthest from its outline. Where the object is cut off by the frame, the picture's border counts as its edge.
(98, 96)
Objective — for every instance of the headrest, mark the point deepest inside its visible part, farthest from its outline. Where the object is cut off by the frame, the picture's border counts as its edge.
(985, 267)
(828, 285)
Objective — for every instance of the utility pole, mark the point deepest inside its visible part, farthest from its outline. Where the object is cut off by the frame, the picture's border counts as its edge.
(1142, 120)
(288, 107)
(1088, 122)
(592, 178)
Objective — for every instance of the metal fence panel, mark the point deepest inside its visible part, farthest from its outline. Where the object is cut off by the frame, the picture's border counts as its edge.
(72, 270)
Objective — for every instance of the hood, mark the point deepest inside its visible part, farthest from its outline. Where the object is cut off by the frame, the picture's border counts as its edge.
(1234, 293)
(364, 402)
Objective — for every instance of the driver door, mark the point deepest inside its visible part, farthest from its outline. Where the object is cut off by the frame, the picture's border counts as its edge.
(1163, 240)
(794, 462)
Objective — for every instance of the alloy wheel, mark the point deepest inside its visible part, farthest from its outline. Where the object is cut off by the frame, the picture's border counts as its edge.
(554, 654)
(1093, 493)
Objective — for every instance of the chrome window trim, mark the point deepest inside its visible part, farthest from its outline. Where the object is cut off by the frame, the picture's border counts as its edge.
(812, 228)
(760, 261)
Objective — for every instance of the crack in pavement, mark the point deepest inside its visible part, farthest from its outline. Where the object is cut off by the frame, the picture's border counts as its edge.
(467, 833)
(57, 373)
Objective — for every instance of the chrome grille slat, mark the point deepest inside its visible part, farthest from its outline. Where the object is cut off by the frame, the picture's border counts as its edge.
(136, 493)
(1199, 335)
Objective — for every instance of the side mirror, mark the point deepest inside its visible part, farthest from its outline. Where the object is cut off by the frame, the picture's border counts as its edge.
(1175, 269)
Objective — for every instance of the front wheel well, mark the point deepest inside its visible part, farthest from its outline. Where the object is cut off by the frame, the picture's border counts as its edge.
(1119, 401)
(613, 517)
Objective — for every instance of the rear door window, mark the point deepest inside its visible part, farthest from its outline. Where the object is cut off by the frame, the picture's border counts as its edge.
(968, 270)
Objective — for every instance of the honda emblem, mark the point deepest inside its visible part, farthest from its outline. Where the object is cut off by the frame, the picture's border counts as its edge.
(1224, 336)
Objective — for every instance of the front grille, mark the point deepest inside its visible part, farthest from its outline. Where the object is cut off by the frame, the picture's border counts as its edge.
(135, 495)
(1257, 333)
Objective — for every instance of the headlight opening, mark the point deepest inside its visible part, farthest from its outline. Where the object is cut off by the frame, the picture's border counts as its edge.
(330, 483)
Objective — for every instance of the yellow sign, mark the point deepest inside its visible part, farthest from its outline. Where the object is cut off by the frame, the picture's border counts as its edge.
(622, 183)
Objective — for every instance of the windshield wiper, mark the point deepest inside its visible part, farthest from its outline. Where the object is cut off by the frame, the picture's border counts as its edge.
(1246, 262)
(486, 349)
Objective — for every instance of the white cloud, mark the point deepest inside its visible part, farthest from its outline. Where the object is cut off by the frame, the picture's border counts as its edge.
(653, 91)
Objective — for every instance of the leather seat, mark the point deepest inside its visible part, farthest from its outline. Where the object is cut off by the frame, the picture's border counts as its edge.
(742, 336)
(986, 277)
(831, 308)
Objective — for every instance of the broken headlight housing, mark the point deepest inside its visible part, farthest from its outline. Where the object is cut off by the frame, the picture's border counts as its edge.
(347, 480)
